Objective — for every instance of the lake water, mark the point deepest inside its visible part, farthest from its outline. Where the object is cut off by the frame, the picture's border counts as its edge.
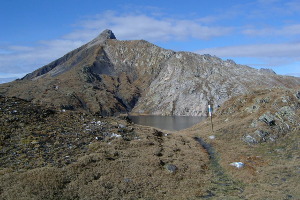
(172, 123)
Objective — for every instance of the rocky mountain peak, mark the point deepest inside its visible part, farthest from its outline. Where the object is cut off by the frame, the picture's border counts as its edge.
(106, 34)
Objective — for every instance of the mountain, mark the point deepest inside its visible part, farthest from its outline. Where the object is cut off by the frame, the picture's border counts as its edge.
(107, 76)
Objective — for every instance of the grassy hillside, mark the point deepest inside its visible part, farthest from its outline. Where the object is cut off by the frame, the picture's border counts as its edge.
(59, 154)
(260, 129)
(47, 154)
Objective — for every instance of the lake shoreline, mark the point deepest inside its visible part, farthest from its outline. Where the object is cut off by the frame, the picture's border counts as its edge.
(170, 123)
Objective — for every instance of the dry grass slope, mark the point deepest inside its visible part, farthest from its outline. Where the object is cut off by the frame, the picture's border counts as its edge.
(47, 154)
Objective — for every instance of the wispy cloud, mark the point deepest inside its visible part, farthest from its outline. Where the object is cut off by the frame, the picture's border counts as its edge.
(152, 28)
(7, 77)
(290, 50)
(23, 59)
(288, 30)
(266, 55)
(294, 74)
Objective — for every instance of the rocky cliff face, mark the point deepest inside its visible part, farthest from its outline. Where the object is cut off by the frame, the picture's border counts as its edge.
(189, 81)
(108, 76)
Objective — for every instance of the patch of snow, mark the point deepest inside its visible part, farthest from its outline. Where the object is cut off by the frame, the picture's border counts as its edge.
(237, 164)
(115, 135)
(212, 137)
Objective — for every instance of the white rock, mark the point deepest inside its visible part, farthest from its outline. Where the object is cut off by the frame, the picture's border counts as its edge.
(115, 135)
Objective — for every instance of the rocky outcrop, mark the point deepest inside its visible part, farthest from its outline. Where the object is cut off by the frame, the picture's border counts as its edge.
(262, 115)
(108, 76)
(267, 71)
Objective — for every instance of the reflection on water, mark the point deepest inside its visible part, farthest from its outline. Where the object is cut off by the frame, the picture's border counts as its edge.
(172, 123)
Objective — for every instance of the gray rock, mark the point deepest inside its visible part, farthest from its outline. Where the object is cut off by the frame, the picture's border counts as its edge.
(171, 168)
(287, 113)
(254, 124)
(249, 139)
(105, 35)
(263, 100)
(263, 135)
(122, 126)
(298, 94)
(268, 118)
(253, 108)
(267, 71)
(259, 136)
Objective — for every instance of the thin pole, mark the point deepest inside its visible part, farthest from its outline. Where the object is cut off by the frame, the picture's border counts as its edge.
(210, 114)
(212, 125)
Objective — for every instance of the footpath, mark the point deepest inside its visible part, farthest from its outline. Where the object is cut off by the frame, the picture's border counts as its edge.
(222, 185)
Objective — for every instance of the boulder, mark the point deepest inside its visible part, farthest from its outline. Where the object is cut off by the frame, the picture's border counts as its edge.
(268, 118)
(298, 94)
(170, 168)
(249, 139)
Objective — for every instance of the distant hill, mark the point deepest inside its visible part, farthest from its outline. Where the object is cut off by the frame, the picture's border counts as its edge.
(107, 76)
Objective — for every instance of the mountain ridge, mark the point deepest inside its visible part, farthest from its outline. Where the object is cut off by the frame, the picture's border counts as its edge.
(108, 76)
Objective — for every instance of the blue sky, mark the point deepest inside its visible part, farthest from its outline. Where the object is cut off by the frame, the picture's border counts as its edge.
(257, 33)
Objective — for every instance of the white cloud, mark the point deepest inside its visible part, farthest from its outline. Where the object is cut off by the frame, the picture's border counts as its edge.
(9, 75)
(293, 6)
(147, 27)
(15, 59)
(290, 50)
(279, 57)
(294, 74)
(289, 30)
(20, 48)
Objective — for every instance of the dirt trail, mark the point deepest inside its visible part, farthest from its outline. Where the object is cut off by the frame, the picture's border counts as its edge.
(222, 185)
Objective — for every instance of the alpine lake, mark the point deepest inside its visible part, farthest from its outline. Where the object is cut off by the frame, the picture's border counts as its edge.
(171, 123)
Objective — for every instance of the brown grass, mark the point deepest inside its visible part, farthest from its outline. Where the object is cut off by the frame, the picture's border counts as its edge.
(271, 168)
(58, 157)
(135, 166)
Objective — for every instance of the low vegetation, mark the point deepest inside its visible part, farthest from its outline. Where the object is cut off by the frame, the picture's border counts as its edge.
(47, 154)
(61, 154)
